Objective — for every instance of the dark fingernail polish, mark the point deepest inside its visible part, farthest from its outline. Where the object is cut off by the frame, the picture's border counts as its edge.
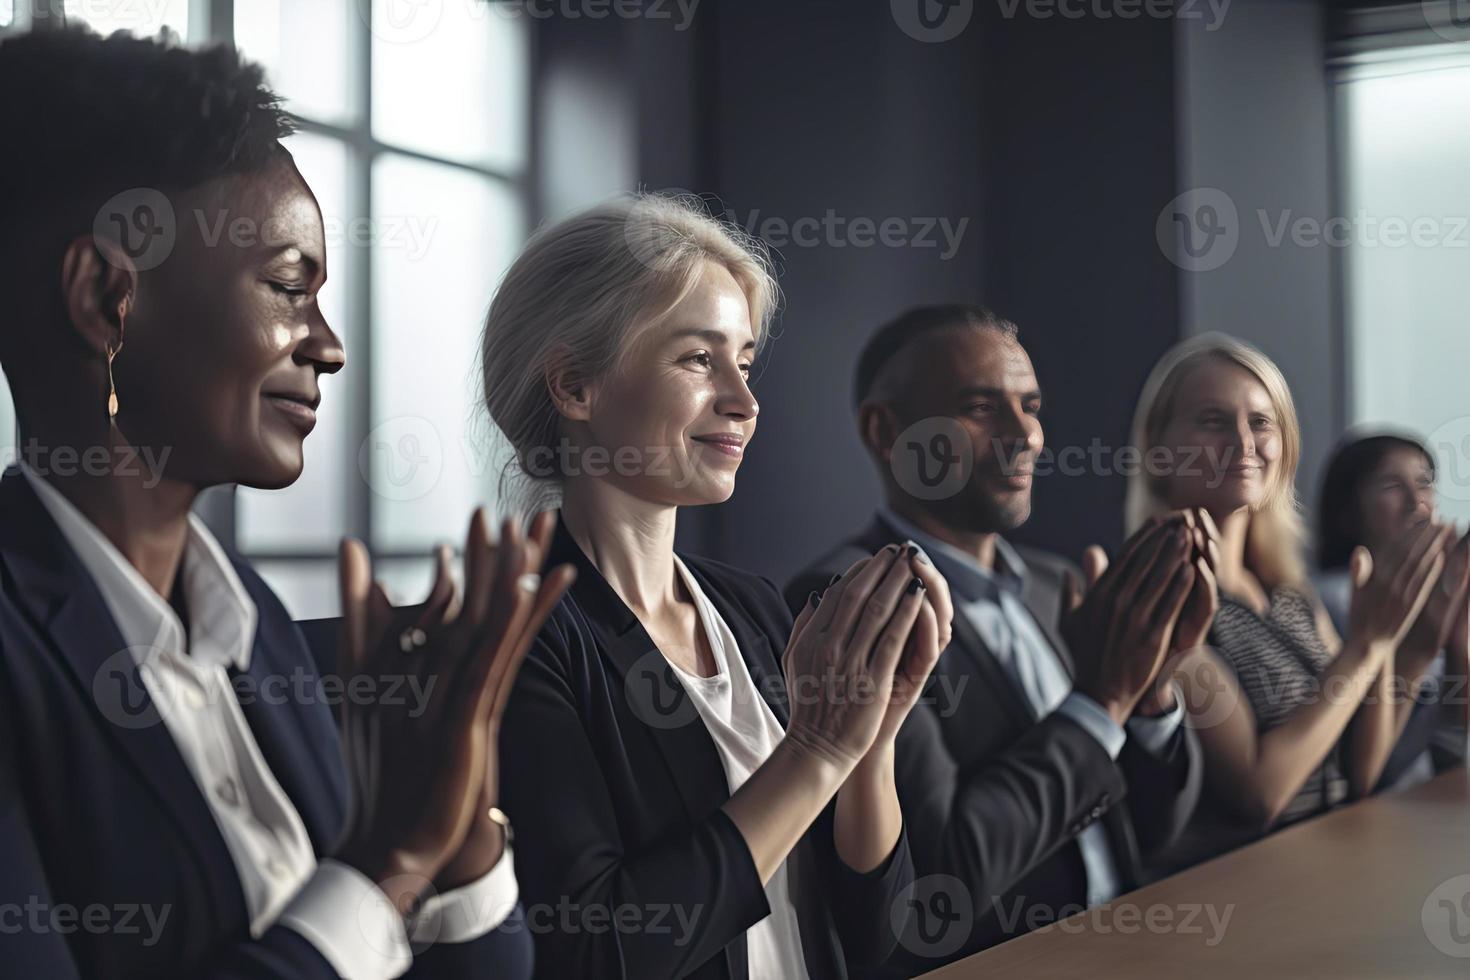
(813, 599)
(833, 579)
(915, 585)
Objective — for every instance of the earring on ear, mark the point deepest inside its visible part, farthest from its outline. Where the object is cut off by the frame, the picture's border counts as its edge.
(122, 312)
(112, 385)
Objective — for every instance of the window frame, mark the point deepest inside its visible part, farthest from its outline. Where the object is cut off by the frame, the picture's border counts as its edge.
(212, 21)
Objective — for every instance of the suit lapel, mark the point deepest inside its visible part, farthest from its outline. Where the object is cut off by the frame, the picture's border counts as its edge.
(968, 644)
(1044, 603)
(653, 693)
(72, 618)
(755, 647)
(297, 735)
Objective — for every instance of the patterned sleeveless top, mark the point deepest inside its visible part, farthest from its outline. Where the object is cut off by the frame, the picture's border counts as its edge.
(1277, 661)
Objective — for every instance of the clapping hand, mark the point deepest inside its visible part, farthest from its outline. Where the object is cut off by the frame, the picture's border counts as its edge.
(423, 775)
(1446, 605)
(867, 644)
(1121, 631)
(1389, 592)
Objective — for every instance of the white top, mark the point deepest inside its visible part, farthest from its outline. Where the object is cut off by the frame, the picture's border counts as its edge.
(334, 906)
(745, 732)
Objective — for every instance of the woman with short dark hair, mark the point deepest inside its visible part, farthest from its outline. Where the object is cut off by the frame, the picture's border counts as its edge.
(174, 796)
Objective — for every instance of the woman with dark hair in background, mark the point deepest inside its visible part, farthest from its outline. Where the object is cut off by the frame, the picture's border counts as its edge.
(174, 796)
(1376, 488)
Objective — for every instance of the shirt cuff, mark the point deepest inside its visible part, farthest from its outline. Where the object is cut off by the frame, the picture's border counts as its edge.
(1155, 733)
(351, 923)
(1095, 721)
(468, 913)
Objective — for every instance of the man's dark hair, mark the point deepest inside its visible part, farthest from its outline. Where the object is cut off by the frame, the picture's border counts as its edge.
(899, 332)
(86, 117)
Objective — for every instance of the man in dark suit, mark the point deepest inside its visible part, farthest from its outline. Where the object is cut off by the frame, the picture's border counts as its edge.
(1043, 714)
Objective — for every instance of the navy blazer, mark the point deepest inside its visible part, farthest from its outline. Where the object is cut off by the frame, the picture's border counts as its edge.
(101, 822)
(995, 799)
(616, 789)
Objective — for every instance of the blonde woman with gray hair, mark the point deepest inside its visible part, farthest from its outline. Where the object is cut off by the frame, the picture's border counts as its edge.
(1281, 704)
(702, 788)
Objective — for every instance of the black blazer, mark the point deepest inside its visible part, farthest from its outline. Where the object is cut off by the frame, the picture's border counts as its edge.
(615, 787)
(99, 811)
(995, 799)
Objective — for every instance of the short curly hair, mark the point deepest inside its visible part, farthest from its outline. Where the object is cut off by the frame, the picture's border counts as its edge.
(86, 117)
(885, 343)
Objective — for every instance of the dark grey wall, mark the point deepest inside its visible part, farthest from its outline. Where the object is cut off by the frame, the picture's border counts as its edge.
(1057, 141)
(1054, 139)
(828, 107)
(1079, 122)
(1256, 121)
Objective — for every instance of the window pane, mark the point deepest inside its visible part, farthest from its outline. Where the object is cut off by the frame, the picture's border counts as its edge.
(450, 79)
(311, 514)
(142, 19)
(308, 589)
(443, 238)
(408, 580)
(304, 48)
(1408, 248)
(8, 447)
(7, 13)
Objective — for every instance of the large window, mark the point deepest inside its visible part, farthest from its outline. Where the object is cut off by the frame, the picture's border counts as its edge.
(1407, 260)
(414, 134)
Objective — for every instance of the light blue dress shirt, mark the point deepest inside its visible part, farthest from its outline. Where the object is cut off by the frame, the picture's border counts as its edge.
(990, 600)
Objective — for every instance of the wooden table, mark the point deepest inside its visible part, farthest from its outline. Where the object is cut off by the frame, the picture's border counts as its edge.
(1377, 889)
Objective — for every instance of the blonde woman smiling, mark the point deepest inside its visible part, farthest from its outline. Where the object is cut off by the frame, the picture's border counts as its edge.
(1280, 702)
(678, 813)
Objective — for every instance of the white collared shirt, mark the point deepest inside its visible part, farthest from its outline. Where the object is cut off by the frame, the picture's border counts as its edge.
(745, 732)
(334, 906)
